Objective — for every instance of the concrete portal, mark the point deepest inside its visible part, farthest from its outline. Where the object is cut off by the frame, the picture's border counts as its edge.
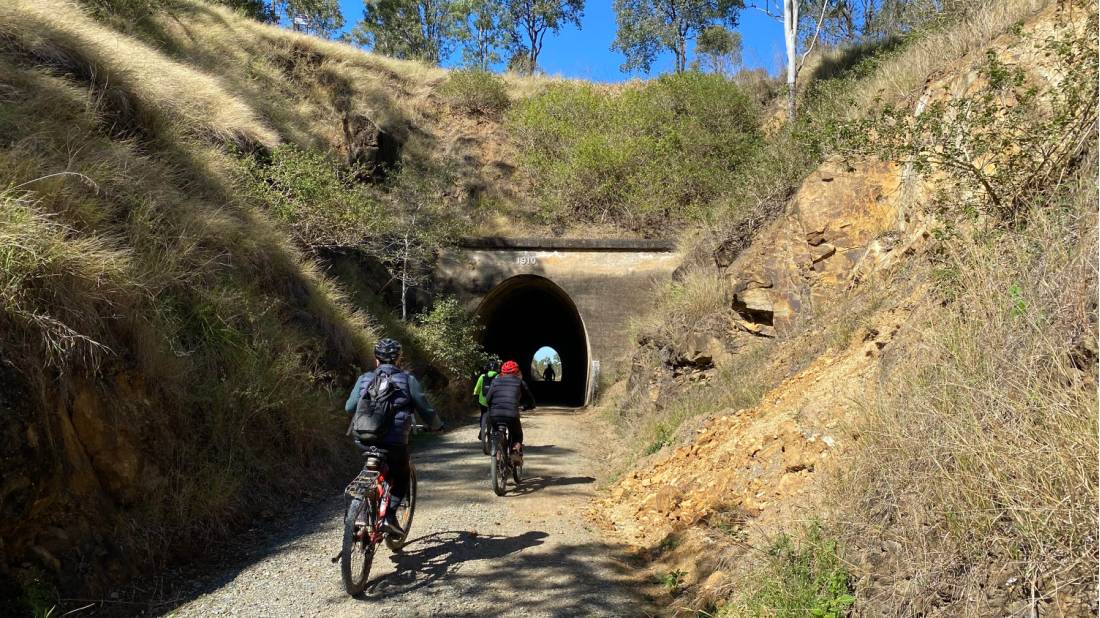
(526, 312)
(574, 295)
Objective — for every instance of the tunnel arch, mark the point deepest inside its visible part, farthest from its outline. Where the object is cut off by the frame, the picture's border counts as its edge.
(526, 312)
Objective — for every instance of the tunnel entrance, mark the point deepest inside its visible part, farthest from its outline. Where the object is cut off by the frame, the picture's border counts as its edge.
(528, 312)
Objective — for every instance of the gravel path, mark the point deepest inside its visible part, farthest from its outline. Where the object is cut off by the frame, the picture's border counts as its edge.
(529, 553)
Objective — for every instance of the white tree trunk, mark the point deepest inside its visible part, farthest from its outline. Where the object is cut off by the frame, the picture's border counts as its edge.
(790, 36)
(405, 281)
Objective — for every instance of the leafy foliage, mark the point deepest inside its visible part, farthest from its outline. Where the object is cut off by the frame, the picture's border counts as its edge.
(313, 196)
(718, 50)
(798, 579)
(532, 19)
(999, 147)
(412, 29)
(484, 33)
(449, 334)
(476, 91)
(658, 153)
(320, 17)
(645, 28)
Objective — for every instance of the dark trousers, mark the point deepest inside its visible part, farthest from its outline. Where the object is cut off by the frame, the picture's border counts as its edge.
(482, 420)
(397, 460)
(515, 428)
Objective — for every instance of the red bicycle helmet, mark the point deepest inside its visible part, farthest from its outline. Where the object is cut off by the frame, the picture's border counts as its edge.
(509, 367)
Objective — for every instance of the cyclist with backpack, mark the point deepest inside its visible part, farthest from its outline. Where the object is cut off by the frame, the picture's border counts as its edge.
(481, 390)
(383, 405)
(506, 396)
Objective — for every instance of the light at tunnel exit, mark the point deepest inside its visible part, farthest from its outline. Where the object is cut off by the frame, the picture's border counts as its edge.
(546, 365)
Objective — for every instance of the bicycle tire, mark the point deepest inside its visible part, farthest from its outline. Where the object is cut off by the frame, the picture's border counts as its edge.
(499, 468)
(405, 519)
(355, 576)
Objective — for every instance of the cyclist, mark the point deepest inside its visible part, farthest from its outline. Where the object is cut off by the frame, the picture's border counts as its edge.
(395, 443)
(507, 394)
(481, 389)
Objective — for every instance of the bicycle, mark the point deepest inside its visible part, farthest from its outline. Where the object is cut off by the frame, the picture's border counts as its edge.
(503, 462)
(369, 501)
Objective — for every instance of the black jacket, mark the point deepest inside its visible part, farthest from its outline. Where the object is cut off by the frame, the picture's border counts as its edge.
(506, 395)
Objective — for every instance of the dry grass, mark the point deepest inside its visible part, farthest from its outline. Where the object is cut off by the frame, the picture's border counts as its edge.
(132, 272)
(145, 84)
(701, 295)
(902, 76)
(981, 452)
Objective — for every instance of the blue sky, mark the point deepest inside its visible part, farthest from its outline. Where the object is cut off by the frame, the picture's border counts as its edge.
(586, 53)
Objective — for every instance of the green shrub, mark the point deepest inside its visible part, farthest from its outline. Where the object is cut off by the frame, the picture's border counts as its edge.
(804, 578)
(449, 335)
(476, 91)
(657, 153)
(312, 195)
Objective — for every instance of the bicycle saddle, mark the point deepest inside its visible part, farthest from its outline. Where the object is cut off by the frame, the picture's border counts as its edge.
(375, 457)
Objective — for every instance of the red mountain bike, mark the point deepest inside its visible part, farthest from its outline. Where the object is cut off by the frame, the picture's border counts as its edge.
(368, 502)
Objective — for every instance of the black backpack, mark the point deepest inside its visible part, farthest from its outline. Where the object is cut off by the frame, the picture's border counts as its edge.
(376, 409)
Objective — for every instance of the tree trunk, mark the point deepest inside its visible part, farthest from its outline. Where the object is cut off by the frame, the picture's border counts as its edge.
(790, 35)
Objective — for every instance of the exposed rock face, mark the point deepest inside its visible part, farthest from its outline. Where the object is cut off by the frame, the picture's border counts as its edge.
(829, 227)
(367, 144)
(748, 460)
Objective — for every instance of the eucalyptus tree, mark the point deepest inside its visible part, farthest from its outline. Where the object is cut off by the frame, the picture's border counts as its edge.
(411, 29)
(718, 49)
(532, 19)
(485, 32)
(645, 28)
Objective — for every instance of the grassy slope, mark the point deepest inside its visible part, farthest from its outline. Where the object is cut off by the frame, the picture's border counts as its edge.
(169, 361)
(942, 473)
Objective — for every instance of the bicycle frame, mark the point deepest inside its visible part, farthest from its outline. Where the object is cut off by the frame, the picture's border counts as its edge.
(380, 487)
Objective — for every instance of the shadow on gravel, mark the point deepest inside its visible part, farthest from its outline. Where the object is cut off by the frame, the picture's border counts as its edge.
(441, 553)
(573, 580)
(537, 483)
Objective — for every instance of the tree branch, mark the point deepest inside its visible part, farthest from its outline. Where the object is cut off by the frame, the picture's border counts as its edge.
(766, 10)
(820, 20)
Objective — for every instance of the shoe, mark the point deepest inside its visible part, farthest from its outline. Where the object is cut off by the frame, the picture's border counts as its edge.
(517, 456)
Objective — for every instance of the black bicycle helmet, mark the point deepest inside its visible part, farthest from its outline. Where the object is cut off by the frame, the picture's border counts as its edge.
(387, 350)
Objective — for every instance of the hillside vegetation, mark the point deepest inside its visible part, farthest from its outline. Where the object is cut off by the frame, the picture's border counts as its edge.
(172, 355)
(885, 403)
(871, 388)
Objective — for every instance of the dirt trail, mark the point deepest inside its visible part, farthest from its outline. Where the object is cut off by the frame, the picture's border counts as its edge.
(529, 553)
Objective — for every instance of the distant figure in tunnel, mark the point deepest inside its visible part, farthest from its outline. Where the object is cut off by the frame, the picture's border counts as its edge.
(507, 394)
(548, 373)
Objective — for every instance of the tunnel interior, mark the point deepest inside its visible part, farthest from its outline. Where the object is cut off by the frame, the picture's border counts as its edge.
(527, 312)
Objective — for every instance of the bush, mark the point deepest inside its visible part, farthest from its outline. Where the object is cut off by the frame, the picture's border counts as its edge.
(312, 195)
(656, 154)
(476, 91)
(449, 335)
(803, 578)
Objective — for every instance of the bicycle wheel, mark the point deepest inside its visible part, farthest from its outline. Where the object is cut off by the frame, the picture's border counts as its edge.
(358, 550)
(517, 474)
(405, 512)
(500, 464)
